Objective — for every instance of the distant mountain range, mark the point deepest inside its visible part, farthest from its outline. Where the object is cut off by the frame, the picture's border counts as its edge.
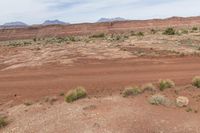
(11, 25)
(111, 19)
(19, 24)
(54, 22)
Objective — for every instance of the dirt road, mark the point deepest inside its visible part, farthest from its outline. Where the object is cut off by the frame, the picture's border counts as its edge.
(105, 77)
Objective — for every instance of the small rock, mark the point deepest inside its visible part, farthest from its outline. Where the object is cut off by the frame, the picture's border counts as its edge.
(182, 101)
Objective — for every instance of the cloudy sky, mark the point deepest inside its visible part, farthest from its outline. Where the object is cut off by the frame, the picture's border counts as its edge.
(76, 11)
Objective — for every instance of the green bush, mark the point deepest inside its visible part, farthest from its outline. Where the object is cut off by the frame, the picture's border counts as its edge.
(75, 94)
(164, 84)
(131, 91)
(194, 28)
(196, 81)
(34, 39)
(169, 31)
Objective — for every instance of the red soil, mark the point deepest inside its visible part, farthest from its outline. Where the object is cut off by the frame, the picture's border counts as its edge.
(88, 28)
(103, 77)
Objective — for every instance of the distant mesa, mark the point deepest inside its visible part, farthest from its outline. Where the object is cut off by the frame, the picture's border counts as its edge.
(111, 19)
(11, 25)
(54, 22)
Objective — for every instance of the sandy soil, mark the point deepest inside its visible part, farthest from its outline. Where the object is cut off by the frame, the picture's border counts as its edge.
(113, 114)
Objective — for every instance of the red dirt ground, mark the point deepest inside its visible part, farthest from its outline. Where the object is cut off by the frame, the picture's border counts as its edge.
(101, 78)
(104, 110)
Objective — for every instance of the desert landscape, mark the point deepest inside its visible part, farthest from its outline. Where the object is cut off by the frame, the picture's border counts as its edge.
(139, 76)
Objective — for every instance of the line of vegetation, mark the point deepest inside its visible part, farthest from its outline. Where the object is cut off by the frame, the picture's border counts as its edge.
(99, 35)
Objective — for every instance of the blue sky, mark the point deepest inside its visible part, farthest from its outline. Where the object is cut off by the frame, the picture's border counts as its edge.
(77, 11)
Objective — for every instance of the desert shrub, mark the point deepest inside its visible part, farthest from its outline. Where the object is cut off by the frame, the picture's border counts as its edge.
(72, 38)
(153, 31)
(126, 36)
(133, 33)
(3, 122)
(28, 103)
(196, 81)
(75, 94)
(62, 94)
(184, 31)
(117, 38)
(15, 44)
(140, 34)
(194, 28)
(27, 43)
(100, 35)
(131, 91)
(149, 87)
(65, 39)
(60, 39)
(158, 99)
(34, 39)
(169, 31)
(164, 84)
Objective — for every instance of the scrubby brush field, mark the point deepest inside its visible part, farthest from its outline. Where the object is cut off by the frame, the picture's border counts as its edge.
(142, 80)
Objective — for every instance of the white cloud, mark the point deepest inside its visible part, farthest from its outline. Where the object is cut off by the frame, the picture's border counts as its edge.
(36, 11)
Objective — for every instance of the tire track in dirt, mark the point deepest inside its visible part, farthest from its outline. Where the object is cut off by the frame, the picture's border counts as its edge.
(99, 77)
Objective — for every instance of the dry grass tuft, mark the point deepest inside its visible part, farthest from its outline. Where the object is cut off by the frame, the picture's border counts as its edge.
(158, 99)
(149, 87)
(196, 81)
(164, 84)
(77, 93)
(131, 91)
